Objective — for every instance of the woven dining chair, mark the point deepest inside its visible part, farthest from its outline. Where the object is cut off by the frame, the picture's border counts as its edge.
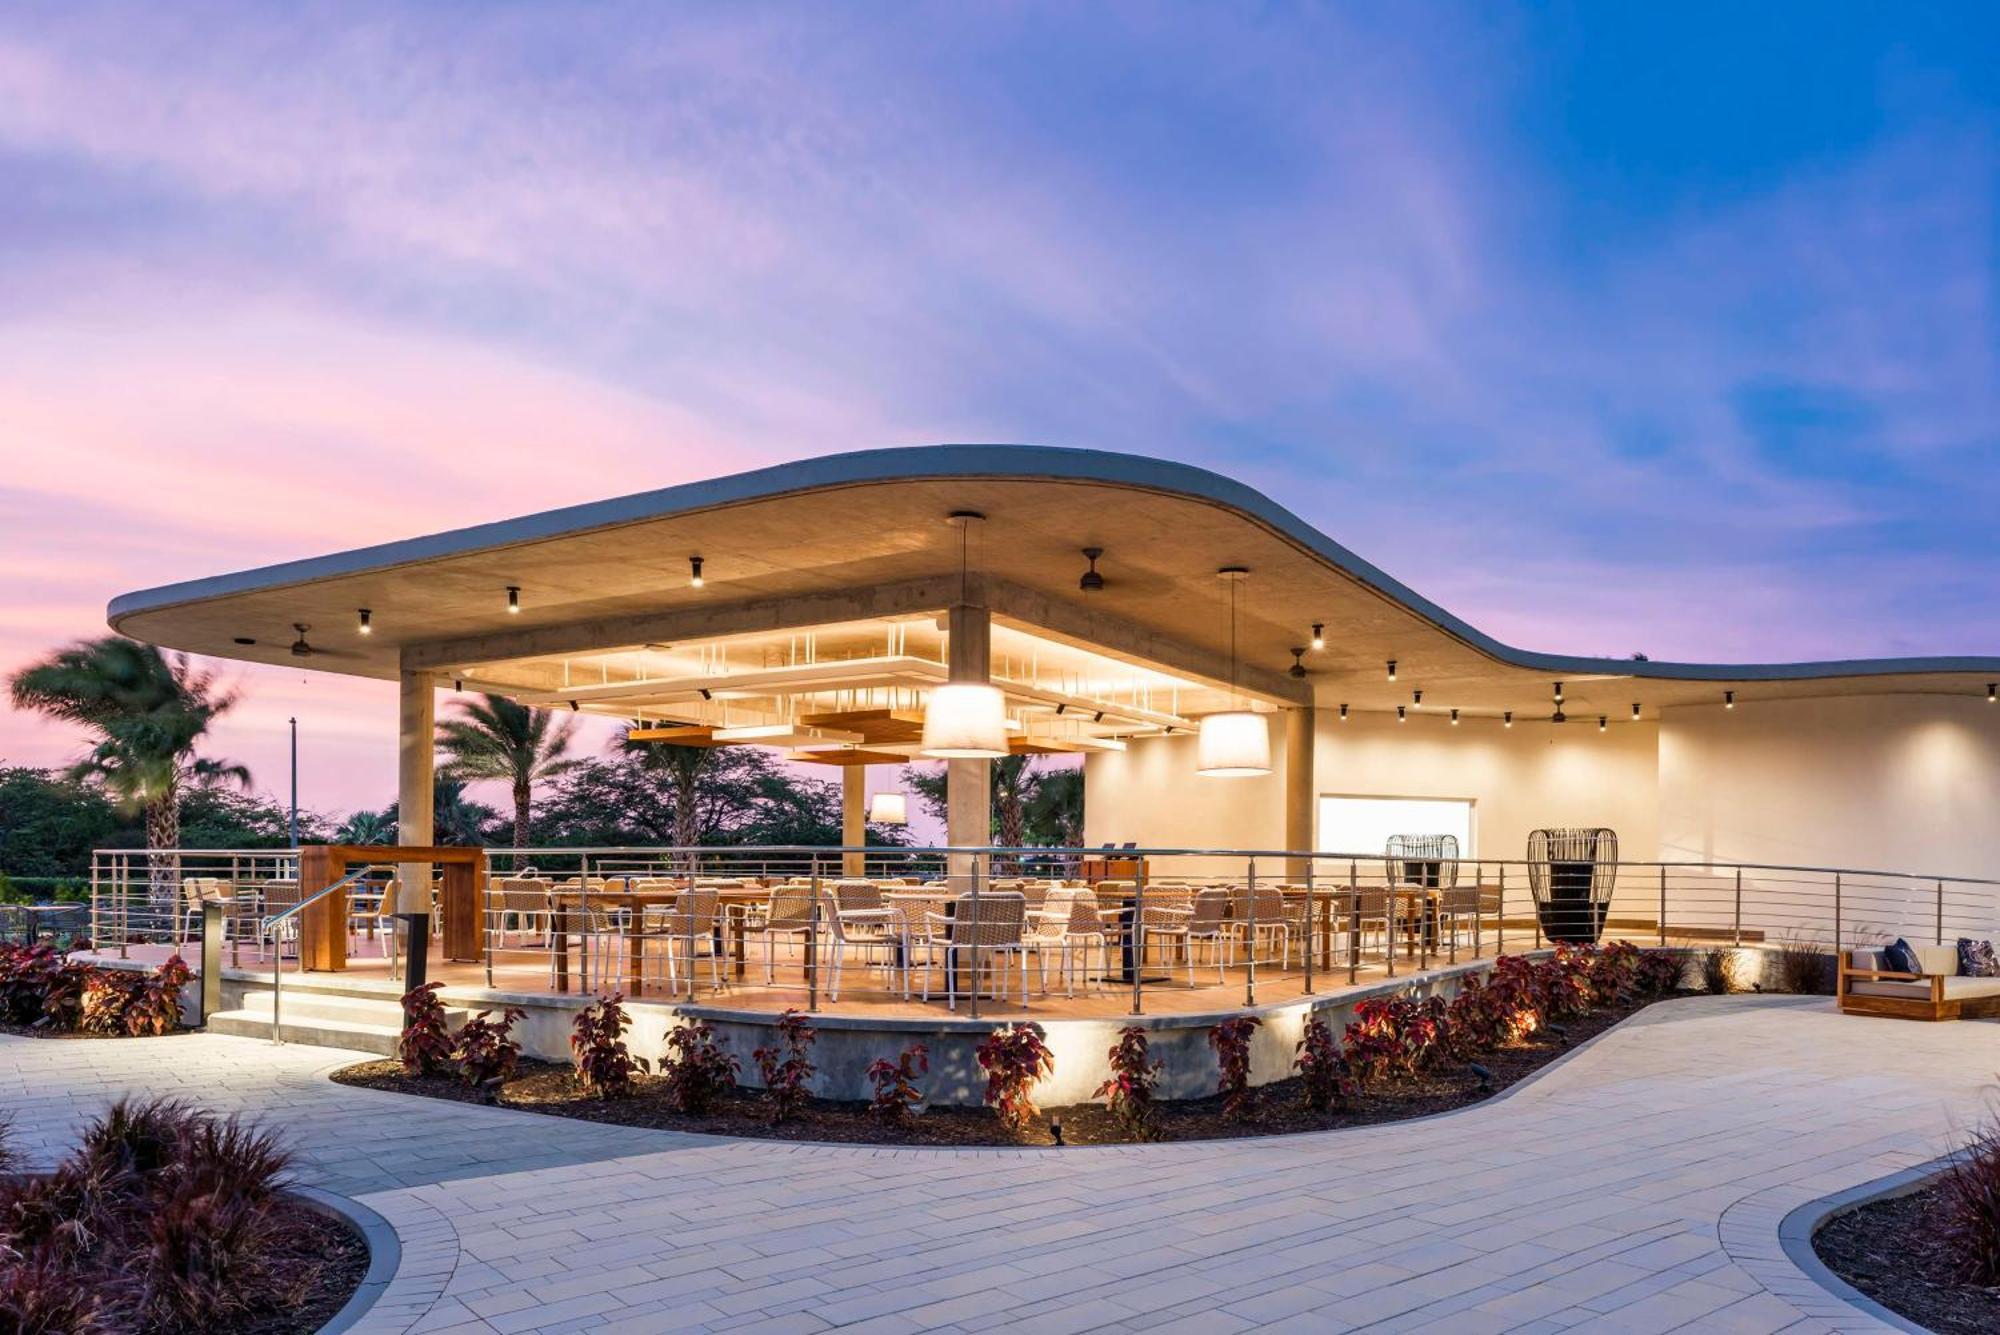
(979, 932)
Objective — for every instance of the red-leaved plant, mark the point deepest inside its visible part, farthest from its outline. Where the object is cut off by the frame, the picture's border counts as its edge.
(697, 1071)
(155, 1005)
(895, 1082)
(1658, 973)
(425, 1047)
(1231, 1041)
(1014, 1057)
(1323, 1079)
(787, 1070)
(1128, 1094)
(604, 1065)
(487, 1053)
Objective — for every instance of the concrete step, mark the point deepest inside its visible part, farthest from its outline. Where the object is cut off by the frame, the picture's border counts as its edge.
(324, 1019)
(376, 1039)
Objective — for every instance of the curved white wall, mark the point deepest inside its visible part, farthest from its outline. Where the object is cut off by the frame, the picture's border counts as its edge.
(1884, 782)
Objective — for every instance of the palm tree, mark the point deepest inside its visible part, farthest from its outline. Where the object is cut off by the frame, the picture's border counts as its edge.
(684, 767)
(499, 739)
(1015, 780)
(1055, 813)
(367, 828)
(146, 713)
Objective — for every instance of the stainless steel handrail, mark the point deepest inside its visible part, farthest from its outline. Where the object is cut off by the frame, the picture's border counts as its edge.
(265, 926)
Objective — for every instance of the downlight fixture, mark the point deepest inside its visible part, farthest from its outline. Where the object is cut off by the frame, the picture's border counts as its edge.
(514, 599)
(366, 627)
(695, 580)
(1319, 636)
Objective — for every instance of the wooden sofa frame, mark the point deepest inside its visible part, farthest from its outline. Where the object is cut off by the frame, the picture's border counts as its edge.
(1935, 1007)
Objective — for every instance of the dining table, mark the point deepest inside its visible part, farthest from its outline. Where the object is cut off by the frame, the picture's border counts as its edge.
(733, 900)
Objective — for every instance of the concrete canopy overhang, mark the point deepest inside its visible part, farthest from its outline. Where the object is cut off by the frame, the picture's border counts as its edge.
(860, 535)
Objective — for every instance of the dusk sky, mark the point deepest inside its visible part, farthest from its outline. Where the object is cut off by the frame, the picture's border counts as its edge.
(1611, 328)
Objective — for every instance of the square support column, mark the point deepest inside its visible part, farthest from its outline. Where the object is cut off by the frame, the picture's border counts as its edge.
(1300, 791)
(968, 783)
(416, 764)
(854, 818)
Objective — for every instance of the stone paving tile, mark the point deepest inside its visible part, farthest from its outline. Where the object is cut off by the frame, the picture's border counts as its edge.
(1636, 1188)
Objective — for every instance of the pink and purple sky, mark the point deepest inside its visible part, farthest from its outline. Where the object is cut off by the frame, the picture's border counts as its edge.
(1609, 330)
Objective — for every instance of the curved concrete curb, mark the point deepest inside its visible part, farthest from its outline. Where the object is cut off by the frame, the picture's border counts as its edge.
(1795, 1235)
(385, 1254)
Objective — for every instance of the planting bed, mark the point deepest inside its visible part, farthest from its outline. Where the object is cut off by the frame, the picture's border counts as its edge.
(1274, 1109)
(1887, 1250)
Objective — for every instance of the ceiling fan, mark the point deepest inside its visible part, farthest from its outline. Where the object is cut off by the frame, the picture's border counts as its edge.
(303, 648)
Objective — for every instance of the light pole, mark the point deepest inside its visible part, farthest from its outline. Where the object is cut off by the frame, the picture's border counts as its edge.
(295, 780)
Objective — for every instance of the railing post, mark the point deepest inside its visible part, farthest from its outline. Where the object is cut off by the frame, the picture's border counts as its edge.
(978, 928)
(1940, 912)
(1738, 930)
(812, 944)
(1836, 914)
(213, 920)
(1663, 904)
(1312, 923)
(1353, 922)
(277, 984)
(1500, 917)
(1135, 940)
(1250, 978)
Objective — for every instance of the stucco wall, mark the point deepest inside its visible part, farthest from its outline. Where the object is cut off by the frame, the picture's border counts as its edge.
(1892, 782)
(1519, 778)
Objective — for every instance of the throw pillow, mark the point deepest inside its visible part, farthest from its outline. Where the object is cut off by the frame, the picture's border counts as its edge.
(1976, 959)
(1899, 958)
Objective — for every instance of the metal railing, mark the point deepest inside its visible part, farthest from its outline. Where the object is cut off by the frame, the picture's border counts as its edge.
(1293, 923)
(272, 929)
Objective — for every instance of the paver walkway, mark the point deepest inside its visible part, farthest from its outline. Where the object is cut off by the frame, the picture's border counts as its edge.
(1635, 1188)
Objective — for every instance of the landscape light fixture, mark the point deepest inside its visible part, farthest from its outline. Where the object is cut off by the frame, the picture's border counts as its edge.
(965, 720)
(694, 572)
(1319, 636)
(514, 599)
(365, 628)
(1092, 582)
(1234, 744)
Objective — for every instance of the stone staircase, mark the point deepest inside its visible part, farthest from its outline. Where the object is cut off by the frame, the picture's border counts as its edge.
(324, 1019)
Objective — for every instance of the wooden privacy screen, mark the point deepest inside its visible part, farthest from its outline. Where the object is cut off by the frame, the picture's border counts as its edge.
(323, 927)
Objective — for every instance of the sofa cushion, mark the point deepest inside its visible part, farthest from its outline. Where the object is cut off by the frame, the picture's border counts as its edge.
(1937, 959)
(1965, 989)
(1899, 958)
(1976, 959)
(1868, 961)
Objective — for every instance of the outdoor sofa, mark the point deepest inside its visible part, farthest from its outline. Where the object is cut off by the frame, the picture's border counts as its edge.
(1869, 987)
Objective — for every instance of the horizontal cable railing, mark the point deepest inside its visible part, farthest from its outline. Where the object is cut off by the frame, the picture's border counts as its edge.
(980, 928)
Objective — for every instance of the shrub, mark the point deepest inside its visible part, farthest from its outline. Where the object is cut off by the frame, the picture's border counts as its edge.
(1659, 972)
(1566, 975)
(1014, 1057)
(62, 994)
(604, 1065)
(896, 1092)
(1614, 974)
(107, 997)
(1801, 967)
(487, 1053)
(154, 1006)
(1488, 1014)
(698, 1072)
(162, 1219)
(1388, 1036)
(425, 1047)
(787, 1071)
(1322, 1074)
(1969, 1221)
(1231, 1041)
(1718, 970)
(1128, 1094)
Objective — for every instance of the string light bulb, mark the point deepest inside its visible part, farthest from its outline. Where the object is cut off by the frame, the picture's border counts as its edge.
(1507, 719)
(1992, 692)
(1454, 718)
(1392, 669)
(1635, 711)
(1319, 635)
(1402, 714)
(365, 628)
(694, 572)
(1559, 692)
(1343, 713)
(514, 599)
(1416, 699)
(1602, 722)
(1729, 699)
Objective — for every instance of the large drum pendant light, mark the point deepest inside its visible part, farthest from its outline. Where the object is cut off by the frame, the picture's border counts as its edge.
(888, 809)
(965, 720)
(1234, 744)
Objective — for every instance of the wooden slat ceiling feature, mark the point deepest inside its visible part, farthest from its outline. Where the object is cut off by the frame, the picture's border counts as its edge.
(876, 726)
(855, 756)
(688, 736)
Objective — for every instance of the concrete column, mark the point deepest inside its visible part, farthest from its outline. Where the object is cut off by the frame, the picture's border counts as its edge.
(416, 752)
(1300, 792)
(854, 818)
(968, 783)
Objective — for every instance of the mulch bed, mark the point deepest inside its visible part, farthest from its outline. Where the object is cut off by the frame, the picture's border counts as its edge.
(1883, 1250)
(1276, 1109)
(332, 1246)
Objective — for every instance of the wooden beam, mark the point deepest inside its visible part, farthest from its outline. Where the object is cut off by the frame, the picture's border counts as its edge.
(680, 735)
(848, 757)
(874, 725)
